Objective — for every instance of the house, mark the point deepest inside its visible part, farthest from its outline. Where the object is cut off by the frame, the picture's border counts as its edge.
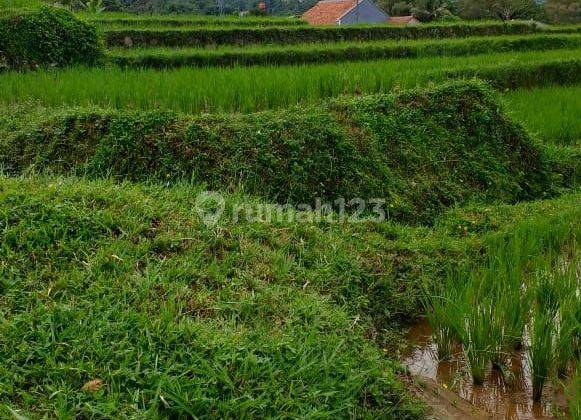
(344, 12)
(403, 20)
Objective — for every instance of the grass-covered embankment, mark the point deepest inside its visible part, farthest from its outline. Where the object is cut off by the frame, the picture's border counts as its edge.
(121, 20)
(336, 52)
(183, 36)
(250, 89)
(421, 151)
(123, 283)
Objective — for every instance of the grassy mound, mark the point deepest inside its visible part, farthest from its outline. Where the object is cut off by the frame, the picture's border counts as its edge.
(182, 37)
(123, 283)
(421, 151)
(46, 37)
(323, 53)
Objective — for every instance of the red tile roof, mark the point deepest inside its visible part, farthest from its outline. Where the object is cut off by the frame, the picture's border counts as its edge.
(402, 20)
(327, 12)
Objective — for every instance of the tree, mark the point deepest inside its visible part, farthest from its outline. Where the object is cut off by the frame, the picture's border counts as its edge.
(500, 9)
(513, 9)
(564, 11)
(401, 9)
(472, 9)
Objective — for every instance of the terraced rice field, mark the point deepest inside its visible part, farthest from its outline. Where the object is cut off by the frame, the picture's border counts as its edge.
(242, 216)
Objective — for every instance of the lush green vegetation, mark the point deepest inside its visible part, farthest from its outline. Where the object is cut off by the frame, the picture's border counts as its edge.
(122, 283)
(257, 88)
(126, 19)
(320, 53)
(183, 36)
(461, 148)
(117, 300)
(46, 37)
(528, 282)
(552, 113)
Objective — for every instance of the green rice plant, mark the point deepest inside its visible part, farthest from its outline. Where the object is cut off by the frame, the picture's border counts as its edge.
(565, 337)
(334, 52)
(250, 89)
(18, 4)
(513, 309)
(512, 297)
(552, 113)
(573, 394)
(567, 326)
(547, 291)
(541, 350)
(480, 337)
(445, 313)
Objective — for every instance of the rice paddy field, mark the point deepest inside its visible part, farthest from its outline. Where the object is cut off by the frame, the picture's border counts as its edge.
(248, 217)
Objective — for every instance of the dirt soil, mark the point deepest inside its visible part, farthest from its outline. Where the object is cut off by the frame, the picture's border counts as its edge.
(441, 402)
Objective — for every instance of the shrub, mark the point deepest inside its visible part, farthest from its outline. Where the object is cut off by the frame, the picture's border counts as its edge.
(167, 58)
(421, 151)
(296, 35)
(47, 37)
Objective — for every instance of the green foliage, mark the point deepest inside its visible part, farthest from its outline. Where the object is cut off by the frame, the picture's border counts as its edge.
(541, 351)
(319, 53)
(421, 151)
(123, 283)
(291, 35)
(129, 287)
(248, 89)
(528, 274)
(121, 20)
(551, 113)
(563, 11)
(47, 37)
(20, 4)
(505, 10)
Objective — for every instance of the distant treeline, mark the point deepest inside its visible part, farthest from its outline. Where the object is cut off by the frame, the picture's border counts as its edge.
(211, 7)
(553, 11)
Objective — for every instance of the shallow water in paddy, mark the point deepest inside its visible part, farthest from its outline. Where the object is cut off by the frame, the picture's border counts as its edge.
(509, 399)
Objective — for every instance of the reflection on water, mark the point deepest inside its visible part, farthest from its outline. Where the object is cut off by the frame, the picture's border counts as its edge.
(506, 395)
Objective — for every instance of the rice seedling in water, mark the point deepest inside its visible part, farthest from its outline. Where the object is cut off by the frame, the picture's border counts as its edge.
(477, 344)
(445, 313)
(541, 350)
(567, 325)
(512, 311)
(573, 392)
(565, 337)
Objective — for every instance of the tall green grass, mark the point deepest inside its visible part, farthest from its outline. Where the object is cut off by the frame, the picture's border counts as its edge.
(335, 52)
(243, 89)
(18, 4)
(552, 113)
(528, 281)
(122, 282)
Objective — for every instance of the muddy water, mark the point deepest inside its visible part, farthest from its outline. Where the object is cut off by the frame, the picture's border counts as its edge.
(504, 398)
